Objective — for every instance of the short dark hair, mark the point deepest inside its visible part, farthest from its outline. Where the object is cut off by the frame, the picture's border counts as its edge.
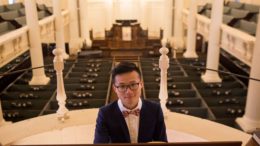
(124, 67)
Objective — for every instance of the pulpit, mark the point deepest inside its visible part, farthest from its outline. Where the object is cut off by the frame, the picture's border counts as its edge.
(126, 35)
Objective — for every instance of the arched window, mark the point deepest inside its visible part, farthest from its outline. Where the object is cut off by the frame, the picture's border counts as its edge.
(11, 1)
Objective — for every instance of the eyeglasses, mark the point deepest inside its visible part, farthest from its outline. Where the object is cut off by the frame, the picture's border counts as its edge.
(123, 88)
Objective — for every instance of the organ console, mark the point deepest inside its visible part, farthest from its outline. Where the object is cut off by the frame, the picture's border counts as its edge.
(127, 35)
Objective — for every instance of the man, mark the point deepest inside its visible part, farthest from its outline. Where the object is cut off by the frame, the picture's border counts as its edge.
(129, 119)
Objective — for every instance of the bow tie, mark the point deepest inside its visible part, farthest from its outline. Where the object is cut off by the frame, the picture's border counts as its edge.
(134, 112)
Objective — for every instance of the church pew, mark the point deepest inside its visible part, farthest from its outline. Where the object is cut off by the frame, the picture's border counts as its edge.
(226, 10)
(21, 20)
(87, 94)
(226, 101)
(18, 115)
(171, 85)
(87, 74)
(3, 8)
(6, 27)
(218, 85)
(180, 102)
(15, 6)
(169, 73)
(26, 95)
(42, 14)
(22, 11)
(74, 80)
(229, 20)
(25, 104)
(236, 5)
(227, 121)
(10, 15)
(239, 14)
(84, 87)
(251, 8)
(171, 93)
(228, 112)
(37, 88)
(79, 104)
(172, 79)
(246, 26)
(201, 112)
(20, 62)
(254, 18)
(223, 92)
(41, 7)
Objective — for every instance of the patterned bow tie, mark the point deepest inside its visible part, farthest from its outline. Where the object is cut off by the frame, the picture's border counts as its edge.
(134, 112)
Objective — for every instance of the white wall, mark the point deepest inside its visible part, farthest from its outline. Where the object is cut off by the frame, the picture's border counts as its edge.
(152, 12)
(126, 9)
(155, 15)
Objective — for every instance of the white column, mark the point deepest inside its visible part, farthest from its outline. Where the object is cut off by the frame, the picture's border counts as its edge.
(61, 95)
(178, 41)
(167, 33)
(84, 22)
(164, 65)
(191, 38)
(38, 75)
(75, 41)
(109, 14)
(214, 43)
(251, 119)
(59, 27)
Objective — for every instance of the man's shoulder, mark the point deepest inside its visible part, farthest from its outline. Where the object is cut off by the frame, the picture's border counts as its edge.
(150, 103)
(110, 106)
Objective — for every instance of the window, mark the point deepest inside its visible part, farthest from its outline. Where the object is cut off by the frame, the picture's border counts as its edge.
(11, 1)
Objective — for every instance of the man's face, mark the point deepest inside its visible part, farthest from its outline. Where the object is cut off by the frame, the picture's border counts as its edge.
(128, 88)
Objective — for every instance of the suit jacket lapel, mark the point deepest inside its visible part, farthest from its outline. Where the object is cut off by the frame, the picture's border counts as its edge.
(123, 125)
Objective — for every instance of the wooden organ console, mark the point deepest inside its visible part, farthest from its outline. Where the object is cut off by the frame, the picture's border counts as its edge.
(127, 36)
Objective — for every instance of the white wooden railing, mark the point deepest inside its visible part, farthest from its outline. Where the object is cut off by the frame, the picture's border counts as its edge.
(233, 41)
(13, 44)
(16, 42)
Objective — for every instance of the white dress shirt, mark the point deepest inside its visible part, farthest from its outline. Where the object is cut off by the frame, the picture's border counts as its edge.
(132, 121)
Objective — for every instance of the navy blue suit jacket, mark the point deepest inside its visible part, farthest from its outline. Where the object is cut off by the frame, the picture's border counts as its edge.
(111, 126)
